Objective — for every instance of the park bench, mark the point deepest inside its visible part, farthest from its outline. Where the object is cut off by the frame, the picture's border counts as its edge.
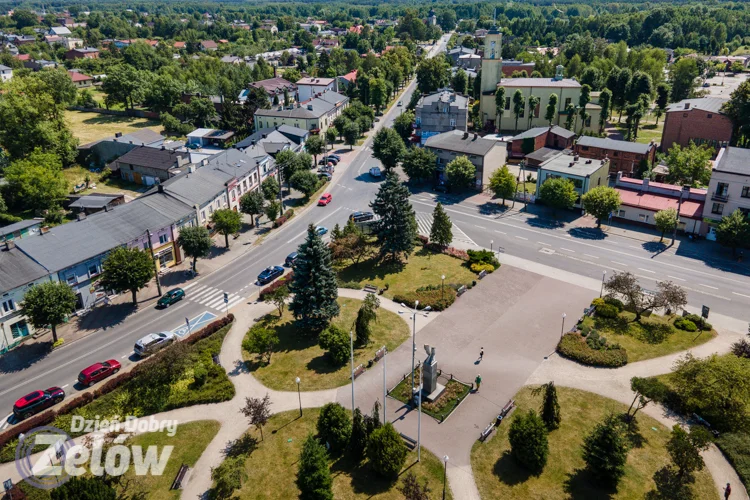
(380, 353)
(487, 431)
(370, 288)
(482, 274)
(177, 483)
(507, 408)
(461, 290)
(359, 370)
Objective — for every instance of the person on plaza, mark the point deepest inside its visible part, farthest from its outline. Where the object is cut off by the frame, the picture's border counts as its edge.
(727, 491)
(481, 353)
(478, 381)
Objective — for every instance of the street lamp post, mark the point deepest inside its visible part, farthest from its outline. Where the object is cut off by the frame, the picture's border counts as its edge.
(351, 348)
(299, 395)
(562, 329)
(492, 242)
(413, 343)
(442, 287)
(601, 291)
(419, 417)
(445, 473)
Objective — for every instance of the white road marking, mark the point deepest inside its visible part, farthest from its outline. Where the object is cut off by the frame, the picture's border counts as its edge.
(708, 286)
(742, 295)
(318, 223)
(501, 232)
(592, 256)
(521, 238)
(618, 263)
(480, 227)
(568, 250)
(123, 357)
(236, 300)
(543, 243)
(189, 285)
(675, 278)
(647, 270)
(63, 387)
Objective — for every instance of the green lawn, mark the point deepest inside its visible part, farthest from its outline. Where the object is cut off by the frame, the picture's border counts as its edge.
(299, 355)
(89, 127)
(422, 268)
(113, 184)
(272, 466)
(498, 475)
(640, 339)
(648, 131)
(530, 187)
(189, 442)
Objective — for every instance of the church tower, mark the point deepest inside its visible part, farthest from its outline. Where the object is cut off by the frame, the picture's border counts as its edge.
(492, 62)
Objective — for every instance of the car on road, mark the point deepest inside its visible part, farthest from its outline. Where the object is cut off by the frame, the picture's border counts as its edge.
(361, 216)
(400, 103)
(172, 296)
(153, 342)
(291, 259)
(37, 401)
(325, 199)
(269, 274)
(98, 371)
(375, 172)
(321, 230)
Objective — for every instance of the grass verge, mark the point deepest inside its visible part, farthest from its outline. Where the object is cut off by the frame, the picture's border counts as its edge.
(88, 126)
(299, 355)
(564, 477)
(272, 466)
(113, 184)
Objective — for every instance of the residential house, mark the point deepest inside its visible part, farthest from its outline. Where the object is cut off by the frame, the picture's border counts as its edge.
(439, 112)
(6, 73)
(533, 160)
(18, 273)
(455, 53)
(80, 80)
(72, 43)
(269, 26)
(203, 137)
(19, 40)
(274, 87)
(52, 40)
(553, 137)
(283, 134)
(40, 64)
(728, 189)
(307, 88)
(20, 229)
(641, 199)
(344, 81)
(316, 115)
(208, 45)
(698, 120)
(144, 165)
(470, 62)
(585, 174)
(104, 151)
(82, 53)
(178, 45)
(232, 60)
(627, 157)
(94, 202)
(59, 31)
(485, 154)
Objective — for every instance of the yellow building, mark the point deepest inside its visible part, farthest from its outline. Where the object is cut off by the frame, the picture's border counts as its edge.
(568, 91)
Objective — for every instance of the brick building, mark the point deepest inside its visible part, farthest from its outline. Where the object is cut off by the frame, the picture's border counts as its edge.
(624, 156)
(698, 120)
(553, 137)
(510, 66)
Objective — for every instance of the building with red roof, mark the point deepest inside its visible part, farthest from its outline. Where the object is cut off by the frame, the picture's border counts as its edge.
(80, 80)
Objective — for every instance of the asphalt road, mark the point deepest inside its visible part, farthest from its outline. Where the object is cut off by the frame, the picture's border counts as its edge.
(352, 189)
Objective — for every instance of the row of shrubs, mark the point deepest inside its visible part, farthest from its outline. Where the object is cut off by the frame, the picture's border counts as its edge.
(437, 297)
(593, 352)
(284, 280)
(691, 323)
(284, 218)
(107, 387)
(482, 260)
(453, 252)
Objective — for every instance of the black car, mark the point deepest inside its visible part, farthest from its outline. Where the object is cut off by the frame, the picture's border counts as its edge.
(269, 274)
(361, 216)
(328, 159)
(291, 259)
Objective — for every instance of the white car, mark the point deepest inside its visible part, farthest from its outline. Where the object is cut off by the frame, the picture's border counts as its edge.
(375, 172)
(153, 342)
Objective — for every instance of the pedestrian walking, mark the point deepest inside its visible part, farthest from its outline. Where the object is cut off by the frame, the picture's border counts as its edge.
(481, 353)
(727, 491)
(478, 381)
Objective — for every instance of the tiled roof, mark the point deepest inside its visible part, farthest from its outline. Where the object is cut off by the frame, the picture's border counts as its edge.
(538, 82)
(79, 77)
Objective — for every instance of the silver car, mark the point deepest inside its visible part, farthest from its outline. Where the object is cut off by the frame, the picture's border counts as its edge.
(153, 342)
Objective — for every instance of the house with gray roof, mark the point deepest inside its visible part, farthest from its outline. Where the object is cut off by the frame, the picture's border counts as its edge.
(439, 112)
(295, 135)
(143, 165)
(699, 120)
(315, 115)
(485, 154)
(630, 158)
(20, 229)
(728, 189)
(584, 173)
(104, 151)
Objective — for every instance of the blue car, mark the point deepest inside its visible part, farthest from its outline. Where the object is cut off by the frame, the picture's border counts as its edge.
(269, 274)
(321, 230)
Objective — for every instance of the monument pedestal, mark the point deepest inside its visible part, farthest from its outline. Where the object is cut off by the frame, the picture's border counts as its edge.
(430, 398)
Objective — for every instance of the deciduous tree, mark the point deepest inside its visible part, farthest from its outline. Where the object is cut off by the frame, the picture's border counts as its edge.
(503, 183)
(36, 182)
(558, 193)
(737, 108)
(667, 296)
(690, 165)
(388, 147)
(662, 99)
(48, 304)
(261, 341)
(314, 145)
(83, 488)
(605, 101)
(305, 181)
(419, 164)
(257, 411)
(403, 125)
(460, 172)
(665, 220)
(412, 489)
(460, 81)
(127, 269)
(601, 202)
(226, 222)
(351, 133)
(195, 242)
(733, 231)
(252, 204)
(270, 188)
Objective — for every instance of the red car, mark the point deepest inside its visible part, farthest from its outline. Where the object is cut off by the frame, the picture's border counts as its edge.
(325, 199)
(98, 371)
(37, 401)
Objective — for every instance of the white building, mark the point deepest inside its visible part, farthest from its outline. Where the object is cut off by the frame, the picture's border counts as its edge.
(308, 87)
(6, 73)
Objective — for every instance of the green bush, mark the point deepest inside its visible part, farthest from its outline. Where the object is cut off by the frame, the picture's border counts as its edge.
(200, 374)
(699, 321)
(336, 341)
(478, 268)
(386, 451)
(334, 426)
(736, 447)
(615, 302)
(574, 346)
(483, 257)
(598, 302)
(354, 285)
(606, 311)
(685, 324)
(437, 299)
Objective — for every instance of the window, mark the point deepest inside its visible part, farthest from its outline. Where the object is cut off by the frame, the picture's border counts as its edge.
(203, 214)
(72, 280)
(93, 269)
(585, 148)
(507, 103)
(453, 122)
(643, 217)
(746, 192)
(722, 189)
(717, 208)
(163, 238)
(567, 101)
(620, 213)
(8, 306)
(145, 245)
(709, 115)
(616, 153)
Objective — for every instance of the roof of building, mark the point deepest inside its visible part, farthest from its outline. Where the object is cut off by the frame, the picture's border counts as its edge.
(60, 30)
(140, 136)
(615, 145)
(292, 134)
(18, 226)
(629, 182)
(655, 202)
(461, 50)
(537, 131)
(17, 269)
(274, 85)
(179, 45)
(79, 77)
(538, 82)
(444, 96)
(209, 44)
(462, 142)
(513, 62)
(542, 154)
(733, 160)
(314, 81)
(312, 109)
(85, 50)
(567, 164)
(160, 159)
(350, 77)
(4, 68)
(710, 104)
(94, 200)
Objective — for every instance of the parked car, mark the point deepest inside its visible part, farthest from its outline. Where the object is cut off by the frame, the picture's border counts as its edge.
(153, 342)
(325, 199)
(361, 216)
(328, 159)
(442, 188)
(400, 103)
(325, 175)
(98, 371)
(172, 296)
(327, 168)
(37, 401)
(321, 230)
(375, 172)
(291, 259)
(334, 156)
(269, 274)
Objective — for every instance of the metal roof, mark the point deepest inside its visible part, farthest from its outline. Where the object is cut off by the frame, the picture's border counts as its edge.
(710, 104)
(20, 225)
(614, 145)
(733, 160)
(94, 201)
(17, 269)
(567, 164)
(461, 142)
(161, 159)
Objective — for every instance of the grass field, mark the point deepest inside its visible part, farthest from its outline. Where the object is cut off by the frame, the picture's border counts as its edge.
(299, 355)
(564, 477)
(77, 175)
(638, 339)
(272, 466)
(89, 127)
(423, 268)
(647, 132)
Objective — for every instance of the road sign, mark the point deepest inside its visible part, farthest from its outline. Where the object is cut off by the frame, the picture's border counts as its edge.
(226, 298)
(704, 312)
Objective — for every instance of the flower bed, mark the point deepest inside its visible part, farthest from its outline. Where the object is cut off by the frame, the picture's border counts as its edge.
(574, 346)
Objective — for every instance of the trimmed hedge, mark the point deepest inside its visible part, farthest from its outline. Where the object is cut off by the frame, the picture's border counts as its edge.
(574, 346)
(284, 218)
(437, 299)
(479, 267)
(284, 280)
(483, 257)
(685, 324)
(699, 321)
(736, 447)
(607, 311)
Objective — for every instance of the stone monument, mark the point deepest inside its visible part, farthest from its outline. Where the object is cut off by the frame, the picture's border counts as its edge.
(431, 389)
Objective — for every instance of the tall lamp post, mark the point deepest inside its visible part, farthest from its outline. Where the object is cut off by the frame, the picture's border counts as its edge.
(299, 395)
(385, 388)
(419, 417)
(601, 291)
(492, 242)
(351, 348)
(445, 473)
(562, 328)
(442, 287)
(413, 342)
(155, 260)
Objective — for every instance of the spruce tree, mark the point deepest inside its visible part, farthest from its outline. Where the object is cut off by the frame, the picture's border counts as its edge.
(358, 438)
(314, 284)
(397, 227)
(550, 408)
(386, 451)
(605, 451)
(528, 441)
(314, 477)
(441, 232)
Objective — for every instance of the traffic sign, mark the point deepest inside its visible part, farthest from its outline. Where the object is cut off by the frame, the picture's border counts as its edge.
(226, 298)
(704, 312)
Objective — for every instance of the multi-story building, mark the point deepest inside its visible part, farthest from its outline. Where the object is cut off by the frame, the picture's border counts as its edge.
(145, 165)
(82, 53)
(624, 156)
(511, 66)
(696, 120)
(443, 111)
(728, 189)
(315, 115)
(307, 88)
(485, 154)
(585, 174)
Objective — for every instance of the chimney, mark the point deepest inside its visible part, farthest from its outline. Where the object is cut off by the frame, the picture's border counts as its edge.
(274, 72)
(310, 107)
(645, 185)
(687, 105)
(191, 169)
(81, 216)
(160, 187)
(163, 147)
(475, 137)
(576, 157)
(10, 244)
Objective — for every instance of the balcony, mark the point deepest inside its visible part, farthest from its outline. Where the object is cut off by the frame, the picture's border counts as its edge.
(720, 197)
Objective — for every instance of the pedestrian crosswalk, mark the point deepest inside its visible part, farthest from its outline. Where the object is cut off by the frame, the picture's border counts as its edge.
(210, 296)
(424, 225)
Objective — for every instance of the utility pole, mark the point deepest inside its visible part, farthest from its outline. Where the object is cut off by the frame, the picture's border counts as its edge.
(685, 189)
(419, 417)
(523, 180)
(156, 262)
